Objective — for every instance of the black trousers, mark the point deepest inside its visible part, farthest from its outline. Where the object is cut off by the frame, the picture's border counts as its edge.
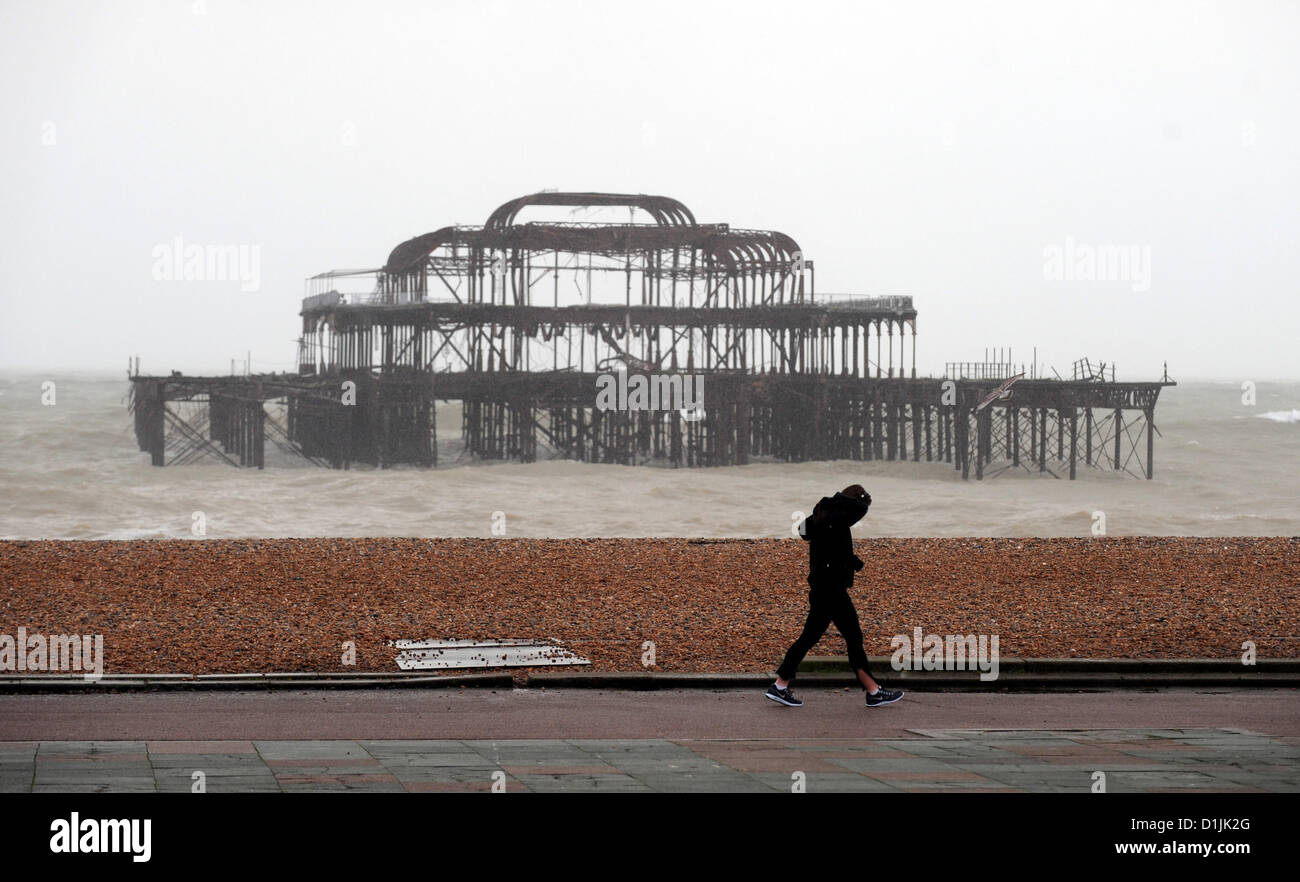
(826, 606)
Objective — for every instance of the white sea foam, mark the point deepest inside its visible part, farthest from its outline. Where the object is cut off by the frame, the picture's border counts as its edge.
(1281, 416)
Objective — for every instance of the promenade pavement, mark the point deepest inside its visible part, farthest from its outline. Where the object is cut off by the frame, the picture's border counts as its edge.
(668, 741)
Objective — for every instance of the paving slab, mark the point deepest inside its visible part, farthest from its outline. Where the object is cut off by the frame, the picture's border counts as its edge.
(274, 750)
(687, 741)
(1037, 760)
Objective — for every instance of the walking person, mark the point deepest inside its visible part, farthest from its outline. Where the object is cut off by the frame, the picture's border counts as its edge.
(831, 565)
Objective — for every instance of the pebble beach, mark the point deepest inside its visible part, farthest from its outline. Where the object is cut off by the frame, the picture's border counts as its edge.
(707, 605)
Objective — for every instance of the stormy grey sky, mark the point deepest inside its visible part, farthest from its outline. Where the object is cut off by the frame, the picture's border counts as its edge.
(943, 150)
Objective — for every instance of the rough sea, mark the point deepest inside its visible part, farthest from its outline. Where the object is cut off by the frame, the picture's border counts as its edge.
(72, 470)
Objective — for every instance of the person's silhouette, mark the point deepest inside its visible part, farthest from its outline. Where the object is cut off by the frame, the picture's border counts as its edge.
(831, 565)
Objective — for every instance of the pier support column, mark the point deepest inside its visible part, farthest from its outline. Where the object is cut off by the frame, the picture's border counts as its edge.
(929, 449)
(1042, 439)
(155, 414)
(1151, 442)
(963, 441)
(259, 435)
(1087, 435)
(916, 431)
(1119, 422)
(1074, 440)
(1014, 439)
(744, 425)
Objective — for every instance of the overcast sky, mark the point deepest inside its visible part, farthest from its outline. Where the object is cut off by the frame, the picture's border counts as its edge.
(971, 155)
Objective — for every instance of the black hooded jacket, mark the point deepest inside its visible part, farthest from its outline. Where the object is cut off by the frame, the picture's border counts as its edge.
(831, 561)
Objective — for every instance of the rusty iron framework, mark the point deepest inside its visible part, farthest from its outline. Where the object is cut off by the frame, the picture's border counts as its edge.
(521, 321)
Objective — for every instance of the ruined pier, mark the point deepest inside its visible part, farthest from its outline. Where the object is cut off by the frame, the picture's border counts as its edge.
(523, 322)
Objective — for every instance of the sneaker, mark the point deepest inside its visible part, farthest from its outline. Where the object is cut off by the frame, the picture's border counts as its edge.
(883, 696)
(783, 696)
